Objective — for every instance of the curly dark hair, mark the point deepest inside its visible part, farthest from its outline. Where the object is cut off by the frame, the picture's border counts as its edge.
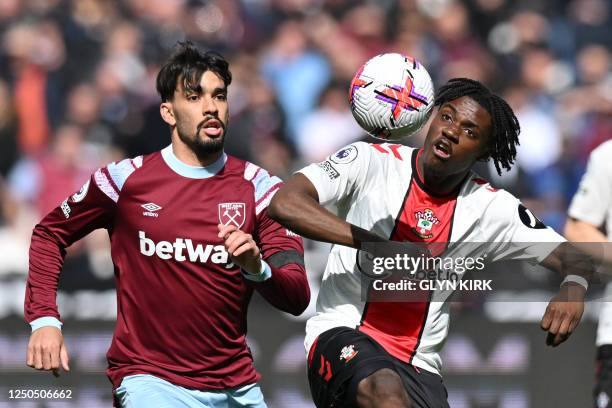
(187, 63)
(505, 125)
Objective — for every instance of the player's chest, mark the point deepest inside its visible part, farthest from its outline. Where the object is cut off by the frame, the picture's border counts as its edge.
(185, 211)
(424, 218)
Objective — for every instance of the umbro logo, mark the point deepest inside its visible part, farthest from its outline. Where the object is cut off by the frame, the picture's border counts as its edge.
(151, 209)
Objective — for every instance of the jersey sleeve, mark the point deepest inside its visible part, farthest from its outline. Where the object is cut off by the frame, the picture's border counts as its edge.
(283, 283)
(287, 289)
(513, 232)
(594, 196)
(343, 174)
(91, 208)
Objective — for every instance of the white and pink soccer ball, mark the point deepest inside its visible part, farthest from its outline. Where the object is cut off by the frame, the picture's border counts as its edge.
(391, 96)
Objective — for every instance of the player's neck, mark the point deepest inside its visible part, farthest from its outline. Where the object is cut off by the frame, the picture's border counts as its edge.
(190, 158)
(440, 183)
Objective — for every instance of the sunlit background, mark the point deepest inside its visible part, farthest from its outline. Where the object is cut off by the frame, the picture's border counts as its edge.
(77, 91)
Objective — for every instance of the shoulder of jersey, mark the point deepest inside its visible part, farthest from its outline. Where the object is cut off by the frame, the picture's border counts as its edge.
(603, 151)
(477, 184)
(480, 190)
(390, 151)
(111, 179)
(264, 184)
(482, 198)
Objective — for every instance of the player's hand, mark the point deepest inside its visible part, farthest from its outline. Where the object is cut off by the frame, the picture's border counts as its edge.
(563, 313)
(242, 248)
(46, 350)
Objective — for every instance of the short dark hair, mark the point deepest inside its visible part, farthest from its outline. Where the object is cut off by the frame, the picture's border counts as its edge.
(187, 63)
(505, 125)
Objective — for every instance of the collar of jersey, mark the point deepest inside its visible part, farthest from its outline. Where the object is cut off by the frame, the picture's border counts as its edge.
(194, 172)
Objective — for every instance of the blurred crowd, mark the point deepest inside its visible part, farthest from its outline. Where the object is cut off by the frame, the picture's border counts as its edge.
(77, 87)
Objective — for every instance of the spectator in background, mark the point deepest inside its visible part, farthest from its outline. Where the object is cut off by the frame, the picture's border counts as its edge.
(50, 178)
(258, 116)
(8, 129)
(36, 184)
(33, 50)
(328, 127)
(297, 73)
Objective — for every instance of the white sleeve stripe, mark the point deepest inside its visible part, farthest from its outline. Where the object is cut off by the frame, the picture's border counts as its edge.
(137, 161)
(264, 184)
(250, 171)
(256, 174)
(275, 187)
(264, 204)
(120, 171)
(105, 185)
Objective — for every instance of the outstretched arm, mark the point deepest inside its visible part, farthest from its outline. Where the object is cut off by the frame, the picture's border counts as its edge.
(296, 206)
(588, 238)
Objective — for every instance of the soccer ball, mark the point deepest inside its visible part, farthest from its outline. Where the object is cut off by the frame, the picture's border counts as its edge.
(391, 96)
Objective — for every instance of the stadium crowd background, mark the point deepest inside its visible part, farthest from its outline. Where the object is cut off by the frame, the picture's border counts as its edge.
(77, 90)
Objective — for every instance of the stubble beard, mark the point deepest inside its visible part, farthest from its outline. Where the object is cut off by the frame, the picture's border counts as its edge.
(200, 146)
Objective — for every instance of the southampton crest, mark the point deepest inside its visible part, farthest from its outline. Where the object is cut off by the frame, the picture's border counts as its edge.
(426, 219)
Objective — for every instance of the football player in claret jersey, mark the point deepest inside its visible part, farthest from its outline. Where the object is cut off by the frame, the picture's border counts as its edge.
(190, 241)
(364, 353)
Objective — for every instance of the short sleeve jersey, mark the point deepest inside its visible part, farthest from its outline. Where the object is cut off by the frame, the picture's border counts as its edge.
(378, 187)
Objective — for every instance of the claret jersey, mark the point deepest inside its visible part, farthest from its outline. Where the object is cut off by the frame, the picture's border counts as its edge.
(377, 187)
(182, 304)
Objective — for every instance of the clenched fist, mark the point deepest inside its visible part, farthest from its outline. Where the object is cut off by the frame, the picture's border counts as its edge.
(242, 248)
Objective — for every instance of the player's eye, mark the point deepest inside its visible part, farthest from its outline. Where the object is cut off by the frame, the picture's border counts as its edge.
(470, 133)
(221, 97)
(193, 97)
(445, 117)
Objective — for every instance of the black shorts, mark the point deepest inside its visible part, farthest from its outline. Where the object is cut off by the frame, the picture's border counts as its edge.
(603, 378)
(341, 357)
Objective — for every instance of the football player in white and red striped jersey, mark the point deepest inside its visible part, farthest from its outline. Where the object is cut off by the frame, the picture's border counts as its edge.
(589, 212)
(385, 354)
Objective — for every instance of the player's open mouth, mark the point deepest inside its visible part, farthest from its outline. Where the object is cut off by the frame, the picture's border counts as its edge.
(443, 149)
(212, 128)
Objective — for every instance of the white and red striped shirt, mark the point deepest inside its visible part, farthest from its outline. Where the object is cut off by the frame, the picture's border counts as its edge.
(377, 187)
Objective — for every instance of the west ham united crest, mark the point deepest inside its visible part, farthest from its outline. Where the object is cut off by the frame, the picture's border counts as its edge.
(232, 213)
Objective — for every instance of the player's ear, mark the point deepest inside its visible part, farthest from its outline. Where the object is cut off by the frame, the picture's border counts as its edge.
(167, 113)
(485, 154)
(485, 149)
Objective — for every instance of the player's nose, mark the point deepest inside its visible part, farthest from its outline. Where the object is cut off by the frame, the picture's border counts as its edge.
(209, 106)
(451, 132)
